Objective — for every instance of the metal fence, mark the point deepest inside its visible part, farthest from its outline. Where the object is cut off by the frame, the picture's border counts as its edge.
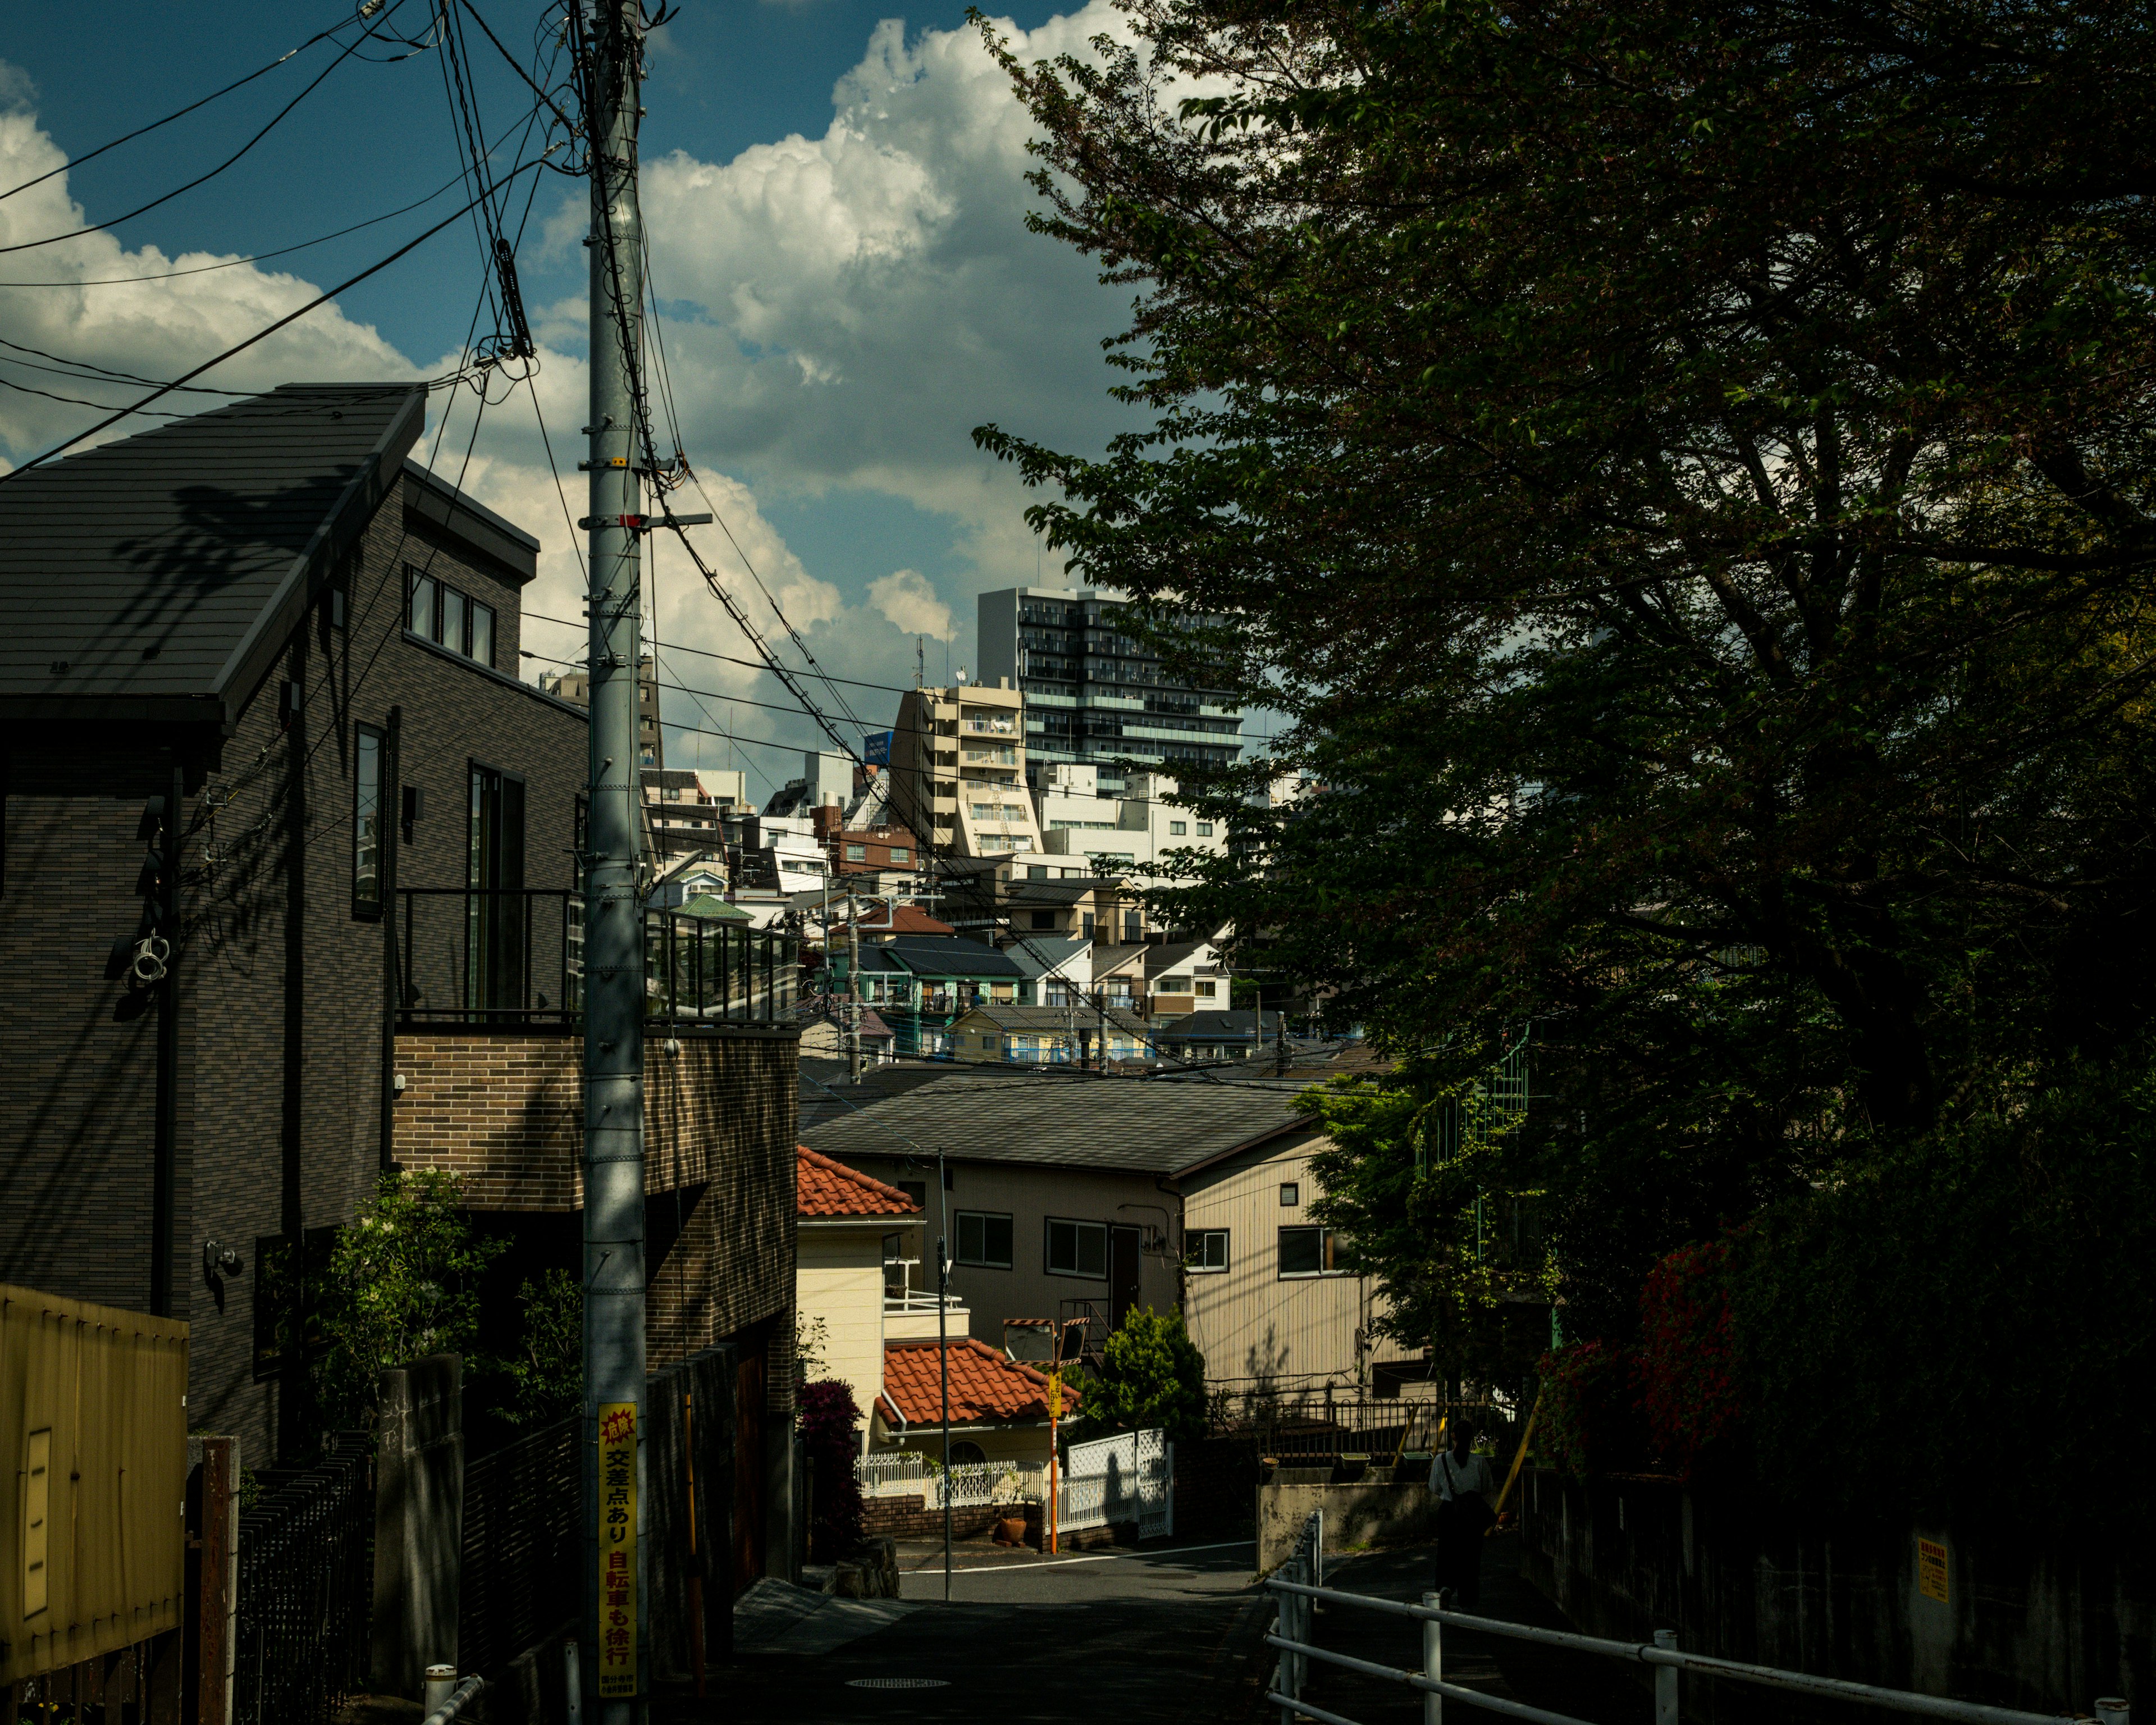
(514, 956)
(1332, 1431)
(306, 1573)
(1298, 1587)
(520, 1578)
(1128, 1477)
(969, 1485)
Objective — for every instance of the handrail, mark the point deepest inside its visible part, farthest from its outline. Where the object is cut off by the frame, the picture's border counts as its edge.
(1667, 1656)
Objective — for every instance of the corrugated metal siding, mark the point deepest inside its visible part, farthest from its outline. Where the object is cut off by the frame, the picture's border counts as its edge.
(99, 1394)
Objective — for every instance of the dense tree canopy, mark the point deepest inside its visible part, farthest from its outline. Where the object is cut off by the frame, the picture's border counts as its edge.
(1686, 474)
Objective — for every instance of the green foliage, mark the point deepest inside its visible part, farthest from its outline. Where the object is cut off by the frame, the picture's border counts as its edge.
(1589, 1410)
(1684, 474)
(545, 1378)
(1687, 1376)
(1152, 1375)
(403, 1282)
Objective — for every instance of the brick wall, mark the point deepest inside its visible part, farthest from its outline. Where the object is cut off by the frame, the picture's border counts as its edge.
(503, 1110)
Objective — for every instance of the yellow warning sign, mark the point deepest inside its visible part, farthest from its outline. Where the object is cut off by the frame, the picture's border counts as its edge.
(1931, 1570)
(617, 1549)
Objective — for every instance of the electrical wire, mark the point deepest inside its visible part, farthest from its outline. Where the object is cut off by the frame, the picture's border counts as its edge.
(177, 113)
(705, 652)
(242, 347)
(199, 179)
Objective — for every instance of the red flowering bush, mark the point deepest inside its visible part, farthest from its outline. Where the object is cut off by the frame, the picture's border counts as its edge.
(830, 1432)
(1686, 1372)
(1590, 1421)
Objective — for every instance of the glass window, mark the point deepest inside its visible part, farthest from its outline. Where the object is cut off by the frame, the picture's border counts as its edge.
(1078, 1249)
(1177, 828)
(1290, 1193)
(1044, 919)
(1309, 1251)
(1205, 829)
(1206, 1249)
(423, 616)
(1203, 986)
(482, 632)
(901, 856)
(456, 621)
(857, 852)
(367, 751)
(985, 1239)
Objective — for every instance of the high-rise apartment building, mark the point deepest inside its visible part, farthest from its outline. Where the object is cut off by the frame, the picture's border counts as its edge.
(957, 777)
(575, 686)
(1094, 695)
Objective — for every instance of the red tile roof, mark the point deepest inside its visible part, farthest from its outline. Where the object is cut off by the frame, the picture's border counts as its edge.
(984, 1385)
(831, 1188)
(901, 919)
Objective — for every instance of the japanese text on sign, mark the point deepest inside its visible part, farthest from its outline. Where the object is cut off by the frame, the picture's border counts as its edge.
(617, 1549)
(1931, 1570)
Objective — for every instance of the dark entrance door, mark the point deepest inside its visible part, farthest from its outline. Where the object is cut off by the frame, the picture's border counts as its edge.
(750, 1467)
(494, 907)
(1122, 1273)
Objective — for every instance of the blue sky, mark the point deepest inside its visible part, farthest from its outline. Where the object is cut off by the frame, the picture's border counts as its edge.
(837, 211)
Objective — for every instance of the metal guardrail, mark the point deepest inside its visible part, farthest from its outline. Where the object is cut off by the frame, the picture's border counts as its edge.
(1298, 1594)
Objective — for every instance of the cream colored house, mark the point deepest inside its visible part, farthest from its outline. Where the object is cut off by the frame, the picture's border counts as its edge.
(1265, 1296)
(858, 1238)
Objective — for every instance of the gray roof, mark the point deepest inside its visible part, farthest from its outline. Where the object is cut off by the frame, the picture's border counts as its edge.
(1199, 1026)
(1037, 954)
(1165, 958)
(1038, 1019)
(934, 955)
(1066, 1122)
(156, 578)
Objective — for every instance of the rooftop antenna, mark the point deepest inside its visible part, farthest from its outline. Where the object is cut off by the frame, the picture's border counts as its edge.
(920, 660)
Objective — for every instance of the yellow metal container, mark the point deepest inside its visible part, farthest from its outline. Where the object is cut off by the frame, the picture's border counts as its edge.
(92, 1479)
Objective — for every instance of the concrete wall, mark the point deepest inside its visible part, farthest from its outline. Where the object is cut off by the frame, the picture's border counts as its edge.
(1358, 1513)
(2044, 1629)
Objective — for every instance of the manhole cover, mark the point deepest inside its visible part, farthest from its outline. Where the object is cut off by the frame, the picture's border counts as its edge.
(897, 1683)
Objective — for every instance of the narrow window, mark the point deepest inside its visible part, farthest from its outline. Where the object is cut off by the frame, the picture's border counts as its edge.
(456, 621)
(482, 632)
(422, 614)
(367, 752)
(1290, 1193)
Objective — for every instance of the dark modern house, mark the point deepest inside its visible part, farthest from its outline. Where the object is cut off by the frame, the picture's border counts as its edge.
(307, 645)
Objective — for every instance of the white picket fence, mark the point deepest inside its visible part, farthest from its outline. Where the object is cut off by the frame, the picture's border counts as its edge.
(971, 1485)
(1129, 1477)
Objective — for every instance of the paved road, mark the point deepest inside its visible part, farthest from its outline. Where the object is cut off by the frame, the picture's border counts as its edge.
(1124, 1638)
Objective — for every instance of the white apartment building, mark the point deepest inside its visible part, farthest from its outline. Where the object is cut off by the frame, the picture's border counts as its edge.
(958, 770)
(1124, 835)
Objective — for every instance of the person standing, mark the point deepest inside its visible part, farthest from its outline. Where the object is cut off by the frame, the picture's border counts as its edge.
(1464, 1484)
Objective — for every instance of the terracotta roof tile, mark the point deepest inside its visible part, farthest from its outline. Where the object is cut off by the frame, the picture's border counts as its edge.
(984, 1385)
(831, 1188)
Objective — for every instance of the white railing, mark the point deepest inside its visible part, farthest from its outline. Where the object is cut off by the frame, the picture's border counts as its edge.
(1295, 1586)
(970, 1485)
(894, 1476)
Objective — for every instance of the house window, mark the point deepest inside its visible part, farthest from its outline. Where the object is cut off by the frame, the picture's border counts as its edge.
(1078, 1249)
(857, 852)
(367, 744)
(1176, 829)
(1086, 927)
(447, 618)
(1044, 919)
(1290, 1193)
(1310, 1252)
(1133, 928)
(1205, 829)
(1206, 1249)
(966, 1453)
(1202, 986)
(1172, 985)
(901, 856)
(985, 1239)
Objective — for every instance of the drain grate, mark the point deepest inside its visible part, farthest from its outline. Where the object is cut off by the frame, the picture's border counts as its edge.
(897, 1683)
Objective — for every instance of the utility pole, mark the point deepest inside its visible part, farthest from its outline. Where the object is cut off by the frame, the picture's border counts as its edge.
(854, 986)
(615, 1595)
(943, 1349)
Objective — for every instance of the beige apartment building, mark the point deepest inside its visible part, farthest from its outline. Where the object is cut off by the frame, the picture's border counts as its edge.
(958, 770)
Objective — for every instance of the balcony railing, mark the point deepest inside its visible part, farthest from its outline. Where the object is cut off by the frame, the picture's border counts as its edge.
(514, 957)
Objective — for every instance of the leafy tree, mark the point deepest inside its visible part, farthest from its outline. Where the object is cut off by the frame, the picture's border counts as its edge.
(403, 1282)
(1686, 475)
(1151, 1375)
(546, 1377)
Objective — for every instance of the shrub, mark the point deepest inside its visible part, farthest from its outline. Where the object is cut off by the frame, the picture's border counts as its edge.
(1686, 1376)
(830, 1431)
(1152, 1375)
(545, 1376)
(1590, 1418)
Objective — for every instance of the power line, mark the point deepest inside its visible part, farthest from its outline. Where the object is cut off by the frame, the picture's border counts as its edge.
(100, 227)
(259, 335)
(757, 664)
(177, 113)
